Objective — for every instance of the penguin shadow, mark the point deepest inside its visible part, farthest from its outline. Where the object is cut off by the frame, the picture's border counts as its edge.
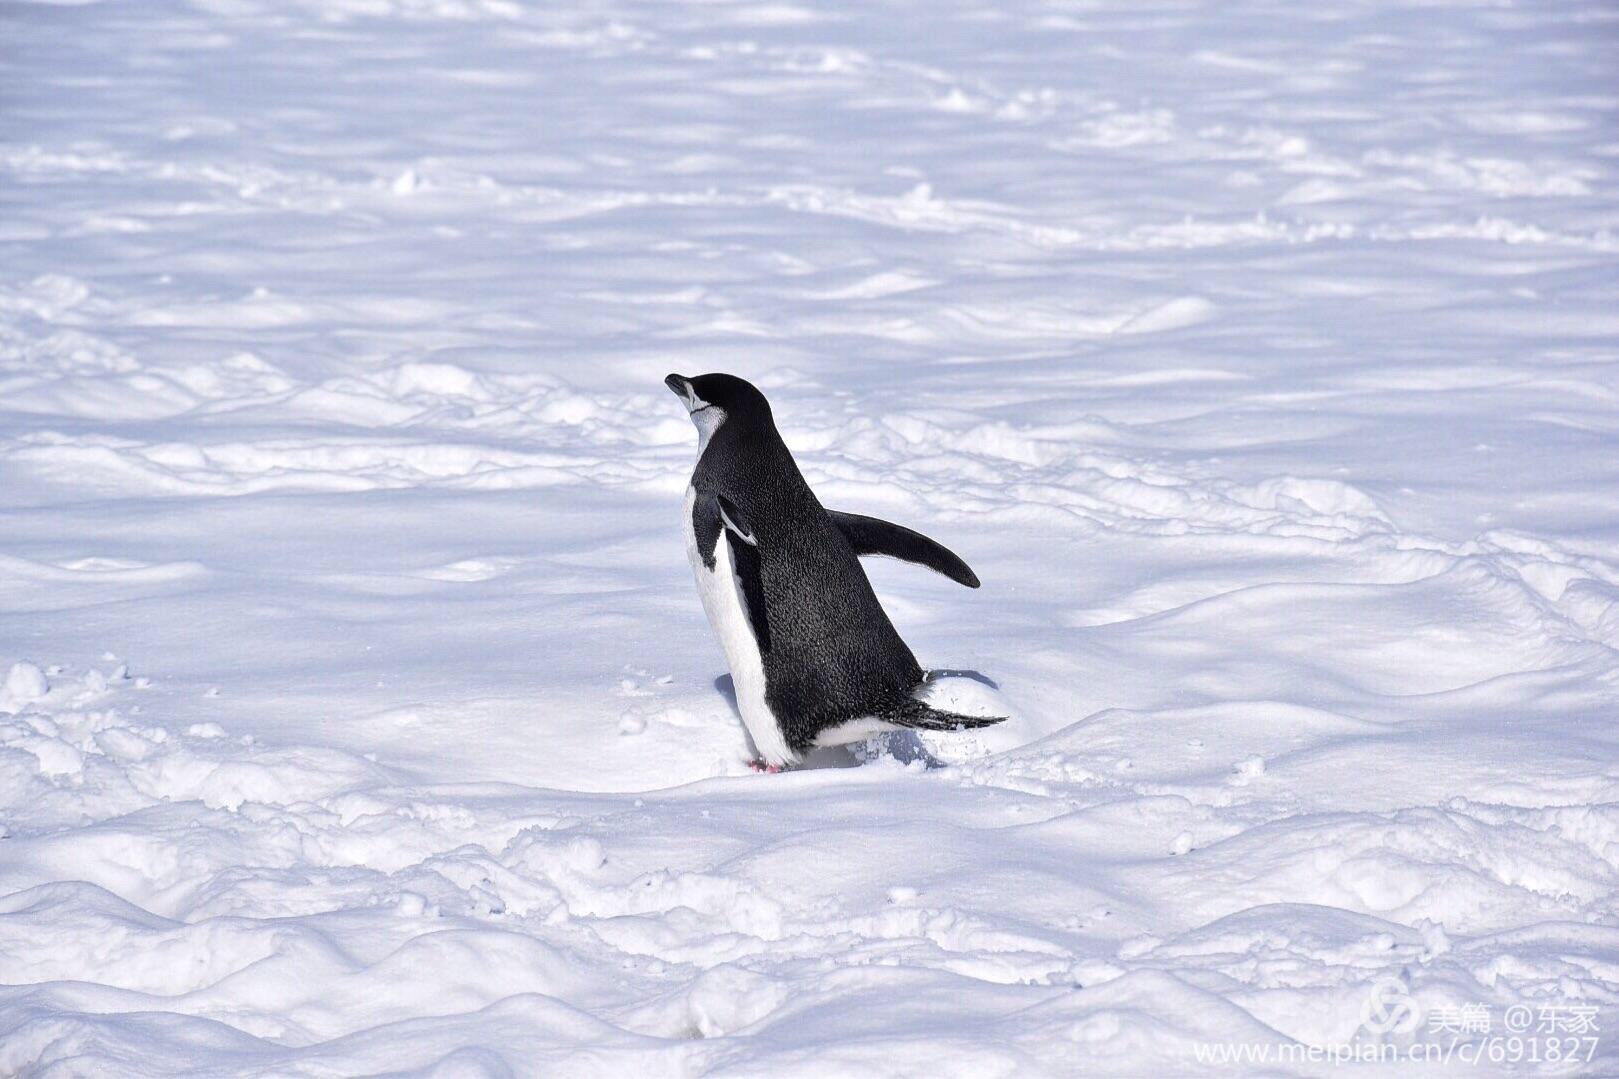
(962, 672)
(903, 746)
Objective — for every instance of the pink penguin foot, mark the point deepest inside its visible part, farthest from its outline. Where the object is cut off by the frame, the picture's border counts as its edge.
(761, 766)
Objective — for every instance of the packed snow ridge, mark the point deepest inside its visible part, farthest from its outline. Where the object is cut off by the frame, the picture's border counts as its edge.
(357, 712)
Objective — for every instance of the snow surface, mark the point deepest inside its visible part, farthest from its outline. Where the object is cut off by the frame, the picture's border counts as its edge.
(359, 714)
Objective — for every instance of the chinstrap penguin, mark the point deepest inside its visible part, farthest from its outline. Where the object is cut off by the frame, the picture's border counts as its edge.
(813, 657)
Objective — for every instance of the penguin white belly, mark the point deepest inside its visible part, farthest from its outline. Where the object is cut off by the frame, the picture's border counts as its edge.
(855, 730)
(723, 603)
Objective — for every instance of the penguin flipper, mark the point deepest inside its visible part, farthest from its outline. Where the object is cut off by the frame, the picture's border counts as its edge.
(744, 547)
(872, 535)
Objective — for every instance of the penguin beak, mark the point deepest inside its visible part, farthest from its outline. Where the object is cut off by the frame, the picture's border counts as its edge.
(682, 387)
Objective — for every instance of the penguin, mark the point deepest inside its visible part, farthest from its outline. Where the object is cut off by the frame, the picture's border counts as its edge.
(813, 657)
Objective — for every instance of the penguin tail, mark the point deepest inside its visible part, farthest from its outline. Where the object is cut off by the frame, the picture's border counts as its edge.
(918, 716)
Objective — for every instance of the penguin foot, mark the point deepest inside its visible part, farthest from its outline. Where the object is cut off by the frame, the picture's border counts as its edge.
(761, 766)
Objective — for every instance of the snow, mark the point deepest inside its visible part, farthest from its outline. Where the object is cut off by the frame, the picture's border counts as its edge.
(359, 715)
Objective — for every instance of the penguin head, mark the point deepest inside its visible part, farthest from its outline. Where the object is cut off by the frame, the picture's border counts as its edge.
(717, 399)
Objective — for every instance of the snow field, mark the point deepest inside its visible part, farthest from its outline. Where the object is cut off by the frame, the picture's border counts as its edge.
(358, 715)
